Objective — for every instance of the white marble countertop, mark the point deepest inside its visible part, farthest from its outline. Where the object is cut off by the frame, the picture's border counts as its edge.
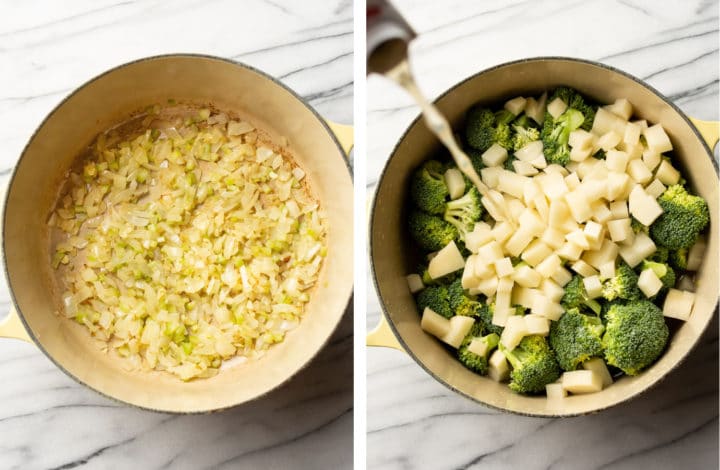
(413, 421)
(46, 419)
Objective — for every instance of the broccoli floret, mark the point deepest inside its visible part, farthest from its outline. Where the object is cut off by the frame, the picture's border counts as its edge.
(663, 271)
(476, 362)
(534, 365)
(461, 303)
(427, 187)
(464, 212)
(679, 258)
(575, 338)
(576, 297)
(475, 157)
(661, 255)
(504, 117)
(555, 135)
(483, 128)
(485, 314)
(623, 285)
(524, 135)
(524, 121)
(635, 335)
(436, 298)
(684, 217)
(637, 226)
(430, 232)
(576, 101)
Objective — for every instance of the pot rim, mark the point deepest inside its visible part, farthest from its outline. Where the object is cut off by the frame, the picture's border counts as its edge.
(50, 114)
(392, 155)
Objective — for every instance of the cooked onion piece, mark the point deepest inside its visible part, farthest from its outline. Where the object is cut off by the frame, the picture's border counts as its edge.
(189, 244)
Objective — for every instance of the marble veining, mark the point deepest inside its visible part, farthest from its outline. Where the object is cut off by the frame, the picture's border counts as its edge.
(416, 423)
(47, 49)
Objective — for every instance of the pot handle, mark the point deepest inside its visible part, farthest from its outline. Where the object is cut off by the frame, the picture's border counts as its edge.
(709, 130)
(344, 135)
(12, 327)
(383, 336)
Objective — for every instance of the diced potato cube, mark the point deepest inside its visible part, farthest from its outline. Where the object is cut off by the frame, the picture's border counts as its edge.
(634, 151)
(581, 381)
(549, 265)
(581, 139)
(678, 304)
(562, 276)
(597, 365)
(530, 151)
(583, 269)
(524, 296)
(531, 191)
(505, 286)
(632, 134)
(502, 231)
(479, 347)
(511, 183)
(446, 261)
(481, 234)
(488, 286)
(551, 290)
(537, 325)
(616, 160)
(553, 237)
(530, 220)
(619, 229)
(514, 206)
(516, 105)
(618, 185)
(649, 283)
(556, 107)
(415, 283)
(607, 270)
(501, 314)
(518, 241)
(642, 123)
(469, 279)
(535, 109)
(494, 156)
(606, 121)
(657, 139)
(455, 183)
(490, 252)
(504, 267)
(483, 269)
(570, 251)
(542, 207)
(535, 252)
(515, 330)
(578, 204)
(578, 238)
(609, 140)
(655, 189)
(552, 310)
(667, 174)
(585, 167)
(572, 181)
(593, 231)
(643, 207)
(639, 172)
(555, 391)
(559, 212)
(459, 328)
(696, 254)
(579, 154)
(619, 210)
(600, 214)
(593, 286)
(498, 368)
(435, 324)
(524, 168)
(622, 108)
(490, 176)
(539, 162)
(651, 159)
(526, 276)
(641, 248)
(553, 185)
(607, 252)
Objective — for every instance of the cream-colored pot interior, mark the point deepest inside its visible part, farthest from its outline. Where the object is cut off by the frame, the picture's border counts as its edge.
(391, 260)
(111, 99)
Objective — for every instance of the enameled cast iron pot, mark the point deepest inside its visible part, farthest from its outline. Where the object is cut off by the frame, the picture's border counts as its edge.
(392, 258)
(318, 146)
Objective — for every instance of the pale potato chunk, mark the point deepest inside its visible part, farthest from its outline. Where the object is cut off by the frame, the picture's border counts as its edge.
(649, 283)
(539, 162)
(530, 152)
(608, 252)
(459, 328)
(490, 176)
(572, 181)
(634, 151)
(501, 314)
(621, 107)
(553, 238)
(555, 391)
(535, 109)
(570, 251)
(579, 154)
(641, 248)
(609, 140)
(579, 205)
(483, 269)
(488, 286)
(583, 269)
(655, 189)
(455, 183)
(667, 174)
(537, 325)
(651, 159)
(620, 229)
(524, 168)
(618, 185)
(593, 286)
(516, 105)
(581, 381)
(518, 241)
(562, 276)
(515, 330)
(494, 156)
(415, 283)
(549, 265)
(632, 134)
(619, 210)
(504, 267)
(490, 252)
(553, 185)
(511, 183)
(505, 285)
(593, 231)
(555, 168)
(542, 207)
(607, 270)
(581, 139)
(469, 280)
(642, 123)
(479, 347)
(556, 107)
(616, 160)
(551, 290)
(559, 212)
(696, 254)
(597, 365)
(498, 368)
(435, 324)
(526, 276)
(535, 252)
(606, 121)
(446, 261)
(578, 238)
(481, 234)
(639, 172)
(657, 139)
(524, 296)
(678, 304)
(502, 231)
(643, 207)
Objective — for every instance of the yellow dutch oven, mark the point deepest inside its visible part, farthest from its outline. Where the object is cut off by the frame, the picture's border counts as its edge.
(392, 259)
(318, 146)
